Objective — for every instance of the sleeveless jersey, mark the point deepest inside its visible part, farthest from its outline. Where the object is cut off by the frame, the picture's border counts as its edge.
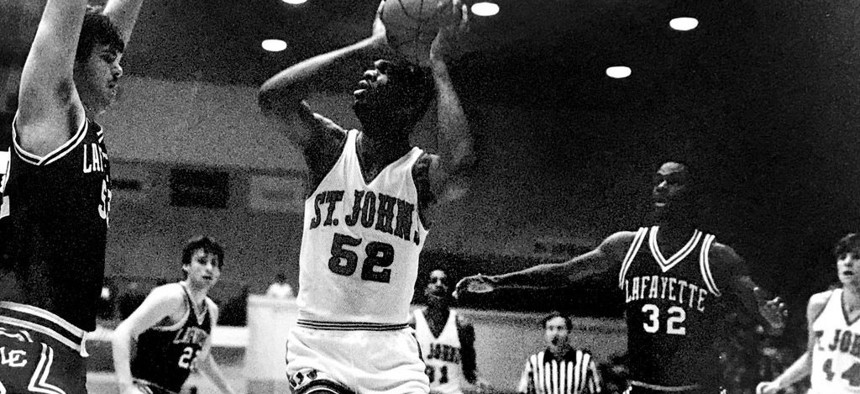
(836, 355)
(671, 311)
(441, 354)
(360, 246)
(165, 355)
(58, 211)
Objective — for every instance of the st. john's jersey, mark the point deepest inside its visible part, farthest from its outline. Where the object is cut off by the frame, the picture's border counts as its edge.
(836, 354)
(58, 211)
(165, 354)
(671, 307)
(360, 246)
(441, 354)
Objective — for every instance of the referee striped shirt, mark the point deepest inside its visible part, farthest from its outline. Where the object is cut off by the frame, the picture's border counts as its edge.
(575, 373)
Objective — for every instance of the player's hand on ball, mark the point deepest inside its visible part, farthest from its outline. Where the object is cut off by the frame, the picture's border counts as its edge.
(475, 284)
(379, 33)
(454, 23)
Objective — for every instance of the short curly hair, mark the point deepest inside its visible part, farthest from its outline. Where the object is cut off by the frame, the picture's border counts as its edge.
(97, 30)
(204, 243)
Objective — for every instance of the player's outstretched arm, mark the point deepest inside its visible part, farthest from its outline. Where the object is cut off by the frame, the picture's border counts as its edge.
(207, 363)
(50, 109)
(160, 303)
(606, 257)
(802, 367)
(454, 139)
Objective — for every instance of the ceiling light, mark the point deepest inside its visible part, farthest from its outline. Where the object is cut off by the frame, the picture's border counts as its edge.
(485, 8)
(274, 45)
(684, 23)
(294, 2)
(618, 72)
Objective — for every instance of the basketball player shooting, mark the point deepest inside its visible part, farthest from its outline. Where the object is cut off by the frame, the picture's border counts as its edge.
(370, 203)
(674, 278)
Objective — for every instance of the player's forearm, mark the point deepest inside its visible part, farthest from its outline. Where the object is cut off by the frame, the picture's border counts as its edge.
(211, 369)
(544, 275)
(294, 84)
(123, 14)
(121, 349)
(455, 139)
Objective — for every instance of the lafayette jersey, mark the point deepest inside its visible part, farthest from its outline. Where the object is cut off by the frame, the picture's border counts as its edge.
(360, 246)
(670, 310)
(165, 354)
(441, 354)
(836, 353)
(58, 211)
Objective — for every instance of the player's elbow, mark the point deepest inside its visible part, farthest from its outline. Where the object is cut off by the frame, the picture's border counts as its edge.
(266, 99)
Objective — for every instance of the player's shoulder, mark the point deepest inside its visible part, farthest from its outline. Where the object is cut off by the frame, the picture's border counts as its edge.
(619, 241)
(817, 302)
(170, 296)
(169, 291)
(211, 305)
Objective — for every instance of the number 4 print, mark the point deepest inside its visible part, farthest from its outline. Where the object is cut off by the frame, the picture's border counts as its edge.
(852, 374)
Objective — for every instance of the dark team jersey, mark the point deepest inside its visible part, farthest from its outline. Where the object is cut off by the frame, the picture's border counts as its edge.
(165, 354)
(5, 151)
(672, 307)
(58, 211)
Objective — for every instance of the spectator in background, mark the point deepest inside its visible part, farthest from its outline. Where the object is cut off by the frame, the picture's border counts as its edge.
(571, 371)
(447, 341)
(280, 289)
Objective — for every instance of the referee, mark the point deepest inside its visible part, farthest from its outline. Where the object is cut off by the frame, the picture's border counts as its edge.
(559, 369)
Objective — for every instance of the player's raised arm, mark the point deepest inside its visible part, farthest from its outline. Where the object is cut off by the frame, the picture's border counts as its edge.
(606, 257)
(123, 14)
(50, 109)
(282, 96)
(453, 135)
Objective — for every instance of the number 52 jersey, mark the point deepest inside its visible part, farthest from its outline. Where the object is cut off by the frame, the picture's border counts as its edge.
(360, 246)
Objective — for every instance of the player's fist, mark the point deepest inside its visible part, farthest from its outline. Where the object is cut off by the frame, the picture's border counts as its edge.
(773, 310)
(475, 284)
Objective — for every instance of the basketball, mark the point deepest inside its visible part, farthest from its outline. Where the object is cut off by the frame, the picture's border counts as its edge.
(411, 26)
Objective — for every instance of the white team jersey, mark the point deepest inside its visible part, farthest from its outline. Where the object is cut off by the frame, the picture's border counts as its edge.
(360, 246)
(441, 355)
(836, 355)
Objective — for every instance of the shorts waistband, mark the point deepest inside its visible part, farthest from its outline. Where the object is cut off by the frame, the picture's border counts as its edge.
(349, 326)
(35, 319)
(668, 389)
